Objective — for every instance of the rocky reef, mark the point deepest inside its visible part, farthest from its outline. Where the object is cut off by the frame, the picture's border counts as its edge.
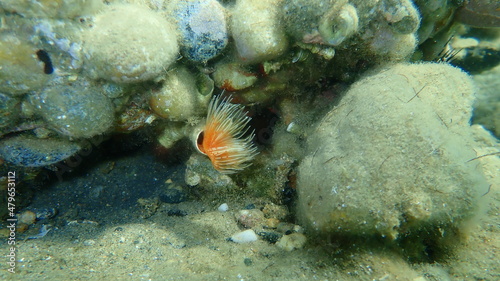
(388, 156)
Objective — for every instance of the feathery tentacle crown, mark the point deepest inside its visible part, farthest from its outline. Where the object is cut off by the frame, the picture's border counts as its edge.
(223, 136)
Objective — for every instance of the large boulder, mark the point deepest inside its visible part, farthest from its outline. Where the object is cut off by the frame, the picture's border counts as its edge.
(393, 156)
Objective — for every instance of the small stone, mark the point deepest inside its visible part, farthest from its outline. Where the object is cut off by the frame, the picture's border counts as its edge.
(248, 261)
(45, 213)
(292, 242)
(89, 242)
(78, 110)
(272, 223)
(257, 30)
(244, 236)
(284, 227)
(270, 236)
(275, 211)
(21, 227)
(9, 110)
(223, 207)
(250, 218)
(149, 206)
(126, 51)
(202, 28)
(27, 217)
(27, 151)
(249, 206)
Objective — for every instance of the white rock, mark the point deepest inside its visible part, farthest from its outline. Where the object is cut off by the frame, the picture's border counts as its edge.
(244, 236)
(223, 207)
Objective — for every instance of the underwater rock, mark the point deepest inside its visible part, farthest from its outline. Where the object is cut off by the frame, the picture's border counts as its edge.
(28, 151)
(257, 30)
(9, 110)
(232, 76)
(480, 13)
(52, 9)
(392, 36)
(77, 110)
(126, 51)
(487, 105)
(401, 15)
(320, 22)
(180, 96)
(392, 46)
(380, 30)
(172, 132)
(436, 16)
(292, 242)
(302, 19)
(44, 213)
(223, 207)
(27, 217)
(253, 218)
(393, 156)
(200, 172)
(202, 29)
(20, 69)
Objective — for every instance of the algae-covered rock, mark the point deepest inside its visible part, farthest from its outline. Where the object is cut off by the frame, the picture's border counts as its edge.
(9, 110)
(127, 51)
(257, 30)
(393, 155)
(78, 110)
(182, 95)
(52, 9)
(20, 69)
(28, 151)
(202, 27)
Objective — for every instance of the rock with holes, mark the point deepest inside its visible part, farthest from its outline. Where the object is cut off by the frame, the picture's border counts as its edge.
(392, 157)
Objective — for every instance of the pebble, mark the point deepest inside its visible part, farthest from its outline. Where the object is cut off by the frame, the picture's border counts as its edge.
(275, 211)
(89, 242)
(272, 223)
(9, 110)
(27, 151)
(21, 227)
(78, 110)
(27, 217)
(284, 227)
(248, 261)
(251, 218)
(244, 236)
(45, 213)
(127, 51)
(292, 242)
(257, 30)
(202, 27)
(223, 207)
(22, 71)
(270, 236)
